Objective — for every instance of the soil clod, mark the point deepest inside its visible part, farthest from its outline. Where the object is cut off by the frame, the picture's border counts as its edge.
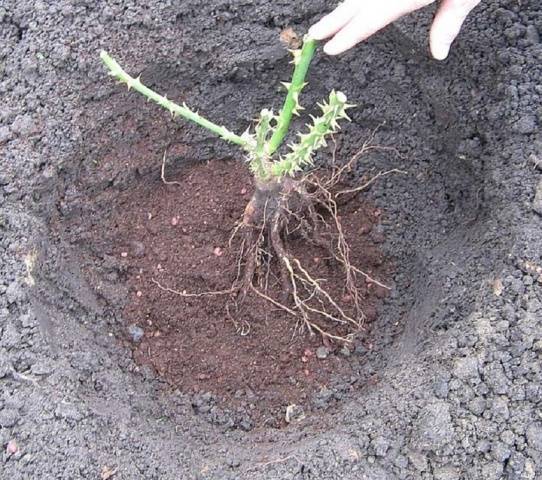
(322, 353)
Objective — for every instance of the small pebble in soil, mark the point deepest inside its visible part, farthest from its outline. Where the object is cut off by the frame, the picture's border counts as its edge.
(218, 251)
(243, 191)
(123, 254)
(498, 287)
(345, 351)
(322, 353)
(294, 413)
(175, 221)
(136, 333)
(12, 448)
(139, 293)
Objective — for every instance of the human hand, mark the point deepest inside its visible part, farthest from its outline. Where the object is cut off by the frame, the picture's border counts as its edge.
(355, 20)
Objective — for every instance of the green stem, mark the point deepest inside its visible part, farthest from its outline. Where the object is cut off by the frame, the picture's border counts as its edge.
(328, 123)
(183, 111)
(258, 158)
(291, 104)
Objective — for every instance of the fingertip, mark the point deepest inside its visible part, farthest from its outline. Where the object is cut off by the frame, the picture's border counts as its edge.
(316, 32)
(331, 48)
(440, 51)
(447, 24)
(334, 21)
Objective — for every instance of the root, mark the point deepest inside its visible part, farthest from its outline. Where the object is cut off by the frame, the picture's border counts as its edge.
(163, 172)
(186, 294)
(277, 212)
(369, 182)
(280, 251)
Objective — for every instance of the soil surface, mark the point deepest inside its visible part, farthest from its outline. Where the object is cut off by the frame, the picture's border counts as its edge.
(451, 386)
(177, 236)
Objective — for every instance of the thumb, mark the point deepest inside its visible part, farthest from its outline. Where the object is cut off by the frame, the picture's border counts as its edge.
(446, 25)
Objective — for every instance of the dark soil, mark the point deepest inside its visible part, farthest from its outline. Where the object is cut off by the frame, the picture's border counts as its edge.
(450, 389)
(177, 236)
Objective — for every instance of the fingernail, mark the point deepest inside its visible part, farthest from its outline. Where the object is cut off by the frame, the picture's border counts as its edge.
(440, 51)
(331, 48)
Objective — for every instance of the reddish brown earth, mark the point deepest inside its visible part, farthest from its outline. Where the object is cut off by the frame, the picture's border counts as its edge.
(175, 236)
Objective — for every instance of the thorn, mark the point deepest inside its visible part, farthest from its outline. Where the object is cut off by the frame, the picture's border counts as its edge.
(297, 108)
(297, 56)
(340, 96)
(266, 114)
(286, 85)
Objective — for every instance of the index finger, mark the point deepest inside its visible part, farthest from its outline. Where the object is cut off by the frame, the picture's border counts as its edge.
(370, 19)
(334, 21)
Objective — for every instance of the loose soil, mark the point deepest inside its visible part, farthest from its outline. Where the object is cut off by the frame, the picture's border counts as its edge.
(176, 237)
(451, 387)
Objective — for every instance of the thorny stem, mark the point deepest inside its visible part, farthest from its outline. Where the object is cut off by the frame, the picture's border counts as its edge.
(291, 104)
(182, 111)
(328, 123)
(259, 160)
(261, 149)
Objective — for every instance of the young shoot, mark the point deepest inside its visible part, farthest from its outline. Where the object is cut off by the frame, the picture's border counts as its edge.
(270, 130)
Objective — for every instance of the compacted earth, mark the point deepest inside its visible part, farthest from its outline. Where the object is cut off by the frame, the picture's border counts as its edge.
(108, 207)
